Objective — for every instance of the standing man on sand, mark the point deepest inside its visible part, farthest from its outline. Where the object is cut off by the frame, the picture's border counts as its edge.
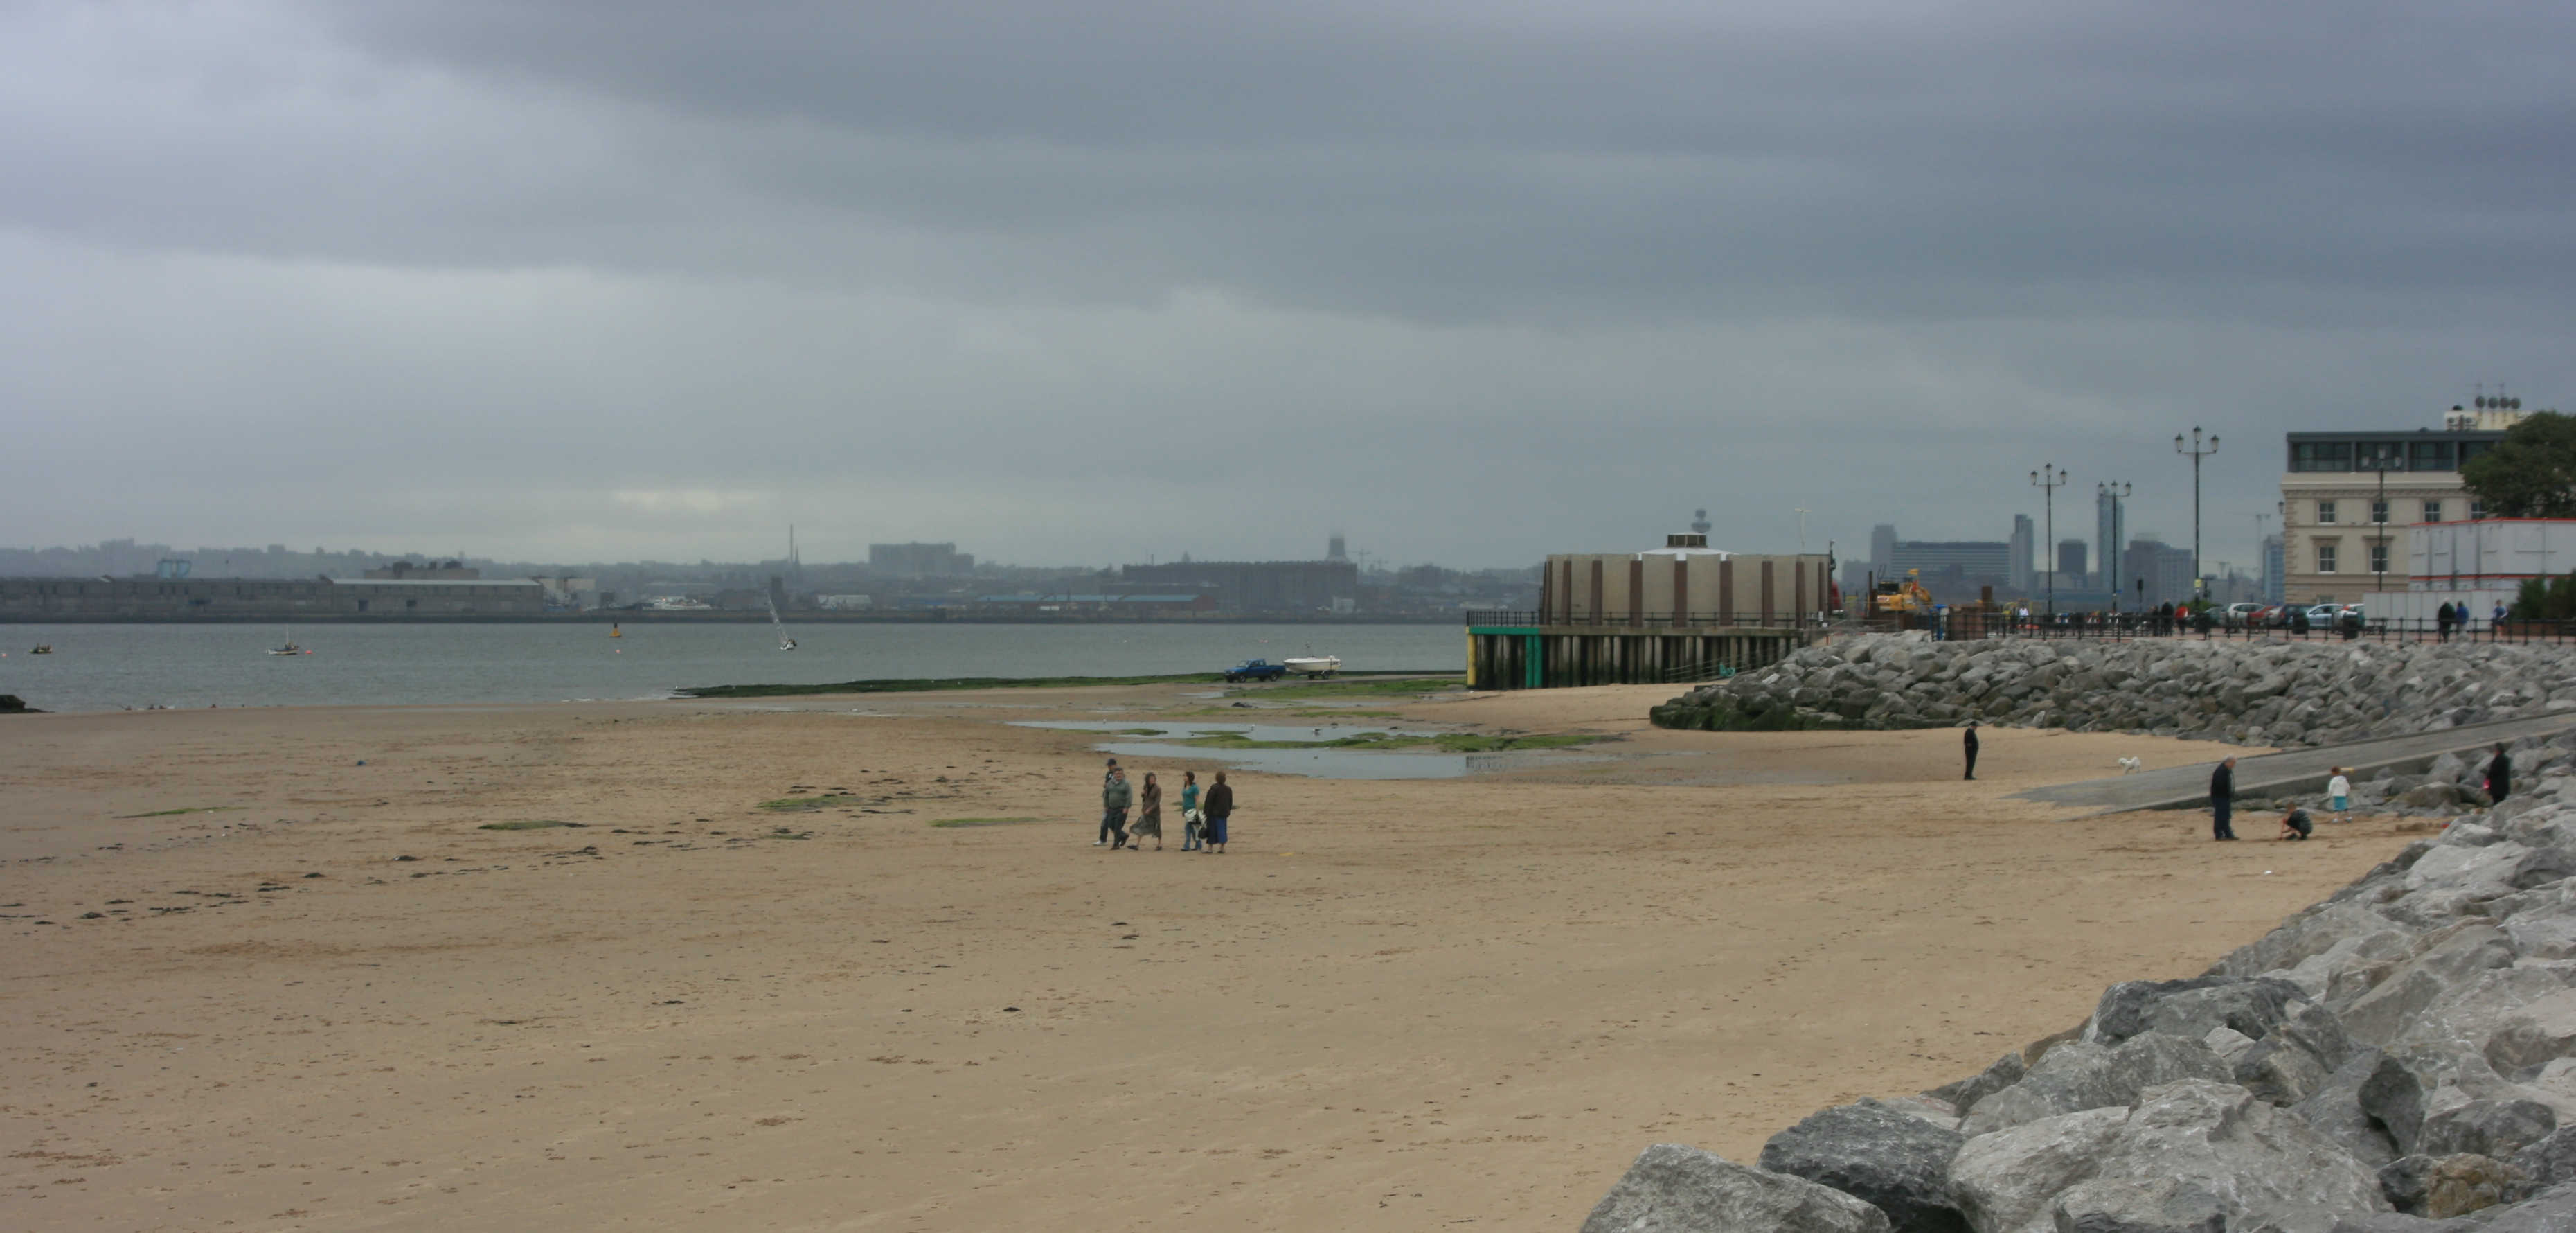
(1971, 744)
(2222, 800)
(1115, 796)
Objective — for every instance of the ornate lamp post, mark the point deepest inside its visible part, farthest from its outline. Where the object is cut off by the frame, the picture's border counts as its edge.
(2196, 452)
(2049, 478)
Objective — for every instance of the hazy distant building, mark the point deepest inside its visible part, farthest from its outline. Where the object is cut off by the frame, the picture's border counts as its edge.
(920, 560)
(2153, 572)
(1335, 549)
(1882, 548)
(1966, 558)
(2273, 573)
(1284, 587)
(2018, 572)
(2070, 559)
(435, 571)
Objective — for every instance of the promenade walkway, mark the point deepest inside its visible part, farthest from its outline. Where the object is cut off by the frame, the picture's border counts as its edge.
(2292, 771)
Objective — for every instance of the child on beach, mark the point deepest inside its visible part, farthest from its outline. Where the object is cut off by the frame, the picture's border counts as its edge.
(2296, 824)
(2339, 789)
(1190, 832)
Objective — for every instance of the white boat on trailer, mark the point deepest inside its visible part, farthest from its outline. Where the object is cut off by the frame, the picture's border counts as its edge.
(1312, 665)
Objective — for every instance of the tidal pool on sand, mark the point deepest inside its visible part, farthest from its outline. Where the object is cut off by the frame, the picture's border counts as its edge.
(1312, 757)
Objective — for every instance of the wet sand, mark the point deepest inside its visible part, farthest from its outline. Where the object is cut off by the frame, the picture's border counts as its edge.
(1394, 1005)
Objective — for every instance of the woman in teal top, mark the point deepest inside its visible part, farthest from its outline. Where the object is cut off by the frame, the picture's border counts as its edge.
(1190, 832)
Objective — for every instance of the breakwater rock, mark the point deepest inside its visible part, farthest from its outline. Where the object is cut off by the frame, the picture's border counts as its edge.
(2250, 693)
(2398, 1058)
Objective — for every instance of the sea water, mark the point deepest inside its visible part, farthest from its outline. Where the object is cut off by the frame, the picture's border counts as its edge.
(109, 667)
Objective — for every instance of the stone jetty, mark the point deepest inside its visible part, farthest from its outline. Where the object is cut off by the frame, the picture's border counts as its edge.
(2278, 693)
(2398, 1058)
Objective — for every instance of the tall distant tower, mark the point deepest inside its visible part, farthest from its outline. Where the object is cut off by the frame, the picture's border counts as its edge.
(2018, 574)
(1335, 549)
(2109, 537)
(795, 564)
(1882, 548)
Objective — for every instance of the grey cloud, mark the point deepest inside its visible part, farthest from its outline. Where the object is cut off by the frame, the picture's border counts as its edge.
(1072, 278)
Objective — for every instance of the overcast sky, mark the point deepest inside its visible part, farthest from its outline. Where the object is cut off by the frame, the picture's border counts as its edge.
(1066, 283)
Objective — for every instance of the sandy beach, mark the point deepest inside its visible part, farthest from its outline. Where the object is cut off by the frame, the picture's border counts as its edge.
(326, 998)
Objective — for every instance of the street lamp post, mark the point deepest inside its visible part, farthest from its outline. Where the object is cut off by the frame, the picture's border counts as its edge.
(2050, 477)
(2115, 492)
(2380, 460)
(2196, 452)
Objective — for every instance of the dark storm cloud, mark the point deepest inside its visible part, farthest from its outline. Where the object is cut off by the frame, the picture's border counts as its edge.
(1526, 277)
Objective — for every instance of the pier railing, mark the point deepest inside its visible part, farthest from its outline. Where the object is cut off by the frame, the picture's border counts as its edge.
(1529, 618)
(2128, 626)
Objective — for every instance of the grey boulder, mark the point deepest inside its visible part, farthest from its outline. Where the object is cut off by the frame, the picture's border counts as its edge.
(2263, 1166)
(1892, 1159)
(2497, 1128)
(1677, 1189)
(2079, 1075)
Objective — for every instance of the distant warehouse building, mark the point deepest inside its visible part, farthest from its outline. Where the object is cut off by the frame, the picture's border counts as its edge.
(1682, 612)
(1283, 587)
(265, 599)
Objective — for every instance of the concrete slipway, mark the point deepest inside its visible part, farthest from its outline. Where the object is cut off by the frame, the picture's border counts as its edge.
(2286, 773)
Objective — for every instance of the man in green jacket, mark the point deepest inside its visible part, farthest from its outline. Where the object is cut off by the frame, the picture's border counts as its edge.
(1115, 797)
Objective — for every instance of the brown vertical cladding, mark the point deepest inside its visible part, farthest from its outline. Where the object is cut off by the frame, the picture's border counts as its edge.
(1798, 590)
(1546, 594)
(1681, 591)
(1637, 591)
(1597, 615)
(1565, 593)
(1766, 593)
(1726, 591)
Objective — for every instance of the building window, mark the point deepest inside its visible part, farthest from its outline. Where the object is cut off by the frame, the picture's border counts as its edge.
(2380, 456)
(2325, 558)
(2477, 510)
(2321, 456)
(2325, 512)
(2378, 512)
(2432, 456)
(2379, 557)
(2432, 511)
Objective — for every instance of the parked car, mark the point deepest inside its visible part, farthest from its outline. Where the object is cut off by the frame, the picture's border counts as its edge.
(2240, 615)
(1256, 670)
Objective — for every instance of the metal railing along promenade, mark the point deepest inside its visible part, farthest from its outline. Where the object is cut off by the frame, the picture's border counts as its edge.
(2129, 626)
(1528, 618)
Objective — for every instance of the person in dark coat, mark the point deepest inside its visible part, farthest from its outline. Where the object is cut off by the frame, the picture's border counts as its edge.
(1971, 744)
(2442, 620)
(1219, 806)
(2222, 800)
(2499, 775)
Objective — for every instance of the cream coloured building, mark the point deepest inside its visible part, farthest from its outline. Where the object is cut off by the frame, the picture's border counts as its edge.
(2349, 502)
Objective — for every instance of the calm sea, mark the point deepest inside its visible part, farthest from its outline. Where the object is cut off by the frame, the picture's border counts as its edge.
(107, 667)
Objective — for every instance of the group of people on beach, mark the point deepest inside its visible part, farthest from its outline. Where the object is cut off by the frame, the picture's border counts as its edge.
(1203, 822)
(2295, 822)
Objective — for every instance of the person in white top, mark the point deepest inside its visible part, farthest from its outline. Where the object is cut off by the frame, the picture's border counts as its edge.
(2340, 789)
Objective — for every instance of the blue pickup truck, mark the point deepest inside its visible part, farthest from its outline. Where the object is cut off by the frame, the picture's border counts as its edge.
(1256, 670)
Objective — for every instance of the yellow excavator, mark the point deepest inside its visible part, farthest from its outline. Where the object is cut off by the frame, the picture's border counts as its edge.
(1899, 598)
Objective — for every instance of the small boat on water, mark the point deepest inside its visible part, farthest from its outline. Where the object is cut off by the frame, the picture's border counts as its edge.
(288, 647)
(1312, 665)
(785, 643)
(615, 632)
(43, 649)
